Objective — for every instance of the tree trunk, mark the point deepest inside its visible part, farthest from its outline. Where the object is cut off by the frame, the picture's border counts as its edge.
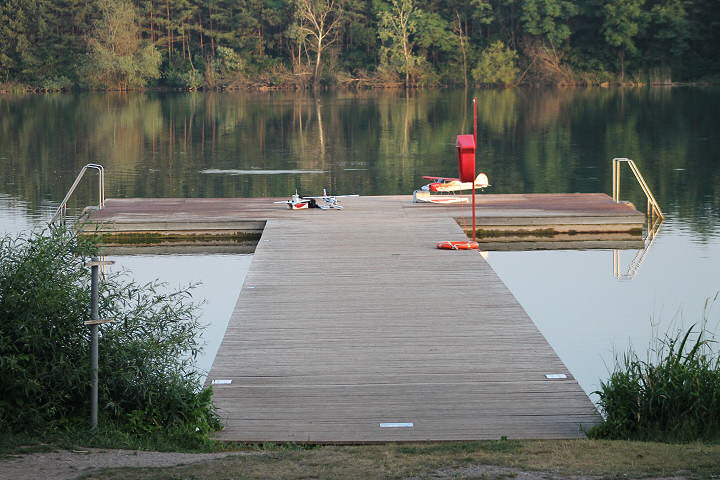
(202, 45)
(317, 66)
(169, 30)
(407, 64)
(462, 48)
(212, 35)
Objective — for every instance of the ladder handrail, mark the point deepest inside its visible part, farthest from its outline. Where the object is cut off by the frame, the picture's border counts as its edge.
(654, 221)
(60, 213)
(616, 184)
(653, 229)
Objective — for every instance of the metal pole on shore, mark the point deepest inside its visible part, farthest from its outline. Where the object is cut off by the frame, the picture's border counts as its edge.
(94, 317)
(94, 323)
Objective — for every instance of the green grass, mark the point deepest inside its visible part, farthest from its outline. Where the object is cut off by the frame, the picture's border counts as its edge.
(541, 458)
(673, 396)
(107, 436)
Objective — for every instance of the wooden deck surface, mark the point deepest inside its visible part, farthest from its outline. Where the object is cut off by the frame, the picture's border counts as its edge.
(350, 320)
(561, 212)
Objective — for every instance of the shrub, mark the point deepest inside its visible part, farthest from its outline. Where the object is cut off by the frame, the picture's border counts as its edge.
(57, 84)
(148, 379)
(190, 79)
(497, 65)
(230, 64)
(675, 398)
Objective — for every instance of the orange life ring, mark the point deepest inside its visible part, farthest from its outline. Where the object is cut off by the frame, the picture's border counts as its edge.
(464, 245)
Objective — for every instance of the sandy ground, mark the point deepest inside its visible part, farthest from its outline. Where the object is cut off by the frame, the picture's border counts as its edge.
(67, 465)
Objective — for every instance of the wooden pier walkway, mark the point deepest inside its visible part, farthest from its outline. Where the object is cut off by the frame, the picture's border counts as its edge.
(352, 327)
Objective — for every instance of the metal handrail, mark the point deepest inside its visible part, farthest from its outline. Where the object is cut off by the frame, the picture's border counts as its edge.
(652, 231)
(655, 218)
(616, 185)
(60, 213)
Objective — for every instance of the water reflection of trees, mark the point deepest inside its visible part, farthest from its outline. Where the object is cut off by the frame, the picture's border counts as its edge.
(368, 142)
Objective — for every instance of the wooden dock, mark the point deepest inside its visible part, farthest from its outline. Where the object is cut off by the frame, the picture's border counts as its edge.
(578, 213)
(352, 327)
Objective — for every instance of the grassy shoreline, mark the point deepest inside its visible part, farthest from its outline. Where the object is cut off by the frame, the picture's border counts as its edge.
(483, 459)
(31, 88)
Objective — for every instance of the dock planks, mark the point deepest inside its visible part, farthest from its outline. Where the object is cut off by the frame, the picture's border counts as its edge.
(577, 212)
(352, 319)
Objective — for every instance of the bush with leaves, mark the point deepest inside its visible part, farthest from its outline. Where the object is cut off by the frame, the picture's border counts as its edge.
(497, 65)
(148, 378)
(674, 397)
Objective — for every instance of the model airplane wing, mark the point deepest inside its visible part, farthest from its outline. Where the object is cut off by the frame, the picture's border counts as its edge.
(481, 180)
(442, 179)
(331, 196)
(302, 200)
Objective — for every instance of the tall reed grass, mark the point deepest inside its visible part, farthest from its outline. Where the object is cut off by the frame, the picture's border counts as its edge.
(674, 396)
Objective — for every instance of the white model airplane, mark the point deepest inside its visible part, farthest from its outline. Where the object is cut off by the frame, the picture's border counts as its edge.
(443, 184)
(298, 202)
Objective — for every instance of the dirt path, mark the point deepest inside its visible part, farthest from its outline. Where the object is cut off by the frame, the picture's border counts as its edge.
(67, 465)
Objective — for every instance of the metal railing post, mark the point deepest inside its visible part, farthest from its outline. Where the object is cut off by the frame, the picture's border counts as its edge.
(638, 176)
(94, 323)
(62, 209)
(94, 316)
(654, 221)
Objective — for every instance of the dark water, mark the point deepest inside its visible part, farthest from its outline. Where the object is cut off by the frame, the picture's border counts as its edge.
(375, 143)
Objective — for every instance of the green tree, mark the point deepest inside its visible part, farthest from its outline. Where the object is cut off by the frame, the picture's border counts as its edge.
(118, 58)
(397, 25)
(318, 21)
(497, 65)
(434, 35)
(506, 15)
(44, 41)
(359, 41)
(24, 31)
(549, 19)
(481, 15)
(669, 31)
(623, 22)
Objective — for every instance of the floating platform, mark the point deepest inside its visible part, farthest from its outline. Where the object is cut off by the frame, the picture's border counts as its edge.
(351, 327)
(503, 221)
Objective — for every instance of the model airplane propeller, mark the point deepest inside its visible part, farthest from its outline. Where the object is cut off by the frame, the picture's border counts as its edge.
(298, 202)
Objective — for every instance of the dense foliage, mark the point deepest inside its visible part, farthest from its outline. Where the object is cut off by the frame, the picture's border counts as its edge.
(147, 378)
(672, 398)
(118, 44)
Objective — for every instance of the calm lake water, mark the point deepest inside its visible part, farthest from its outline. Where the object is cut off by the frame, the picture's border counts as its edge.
(376, 143)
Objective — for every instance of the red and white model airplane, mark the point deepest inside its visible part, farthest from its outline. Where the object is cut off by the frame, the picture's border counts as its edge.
(443, 184)
(298, 202)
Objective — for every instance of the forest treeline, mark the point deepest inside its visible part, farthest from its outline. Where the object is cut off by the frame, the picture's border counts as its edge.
(124, 44)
